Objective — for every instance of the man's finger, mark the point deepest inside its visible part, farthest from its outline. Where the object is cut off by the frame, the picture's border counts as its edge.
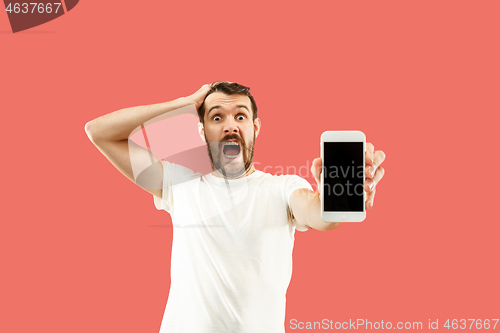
(369, 200)
(370, 171)
(370, 184)
(379, 157)
(369, 147)
(316, 169)
(369, 153)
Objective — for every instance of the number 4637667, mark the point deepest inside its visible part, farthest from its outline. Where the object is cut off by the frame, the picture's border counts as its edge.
(473, 323)
(33, 7)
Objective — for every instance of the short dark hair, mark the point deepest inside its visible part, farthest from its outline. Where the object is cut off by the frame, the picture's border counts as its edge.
(228, 88)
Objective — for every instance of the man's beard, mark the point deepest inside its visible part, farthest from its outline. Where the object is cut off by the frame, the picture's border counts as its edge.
(230, 169)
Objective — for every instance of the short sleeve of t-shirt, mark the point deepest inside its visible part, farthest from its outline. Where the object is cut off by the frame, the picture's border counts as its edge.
(172, 174)
(293, 183)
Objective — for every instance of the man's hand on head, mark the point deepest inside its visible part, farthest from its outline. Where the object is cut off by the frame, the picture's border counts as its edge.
(199, 96)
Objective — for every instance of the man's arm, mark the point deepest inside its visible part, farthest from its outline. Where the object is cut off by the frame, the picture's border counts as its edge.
(306, 204)
(306, 208)
(110, 134)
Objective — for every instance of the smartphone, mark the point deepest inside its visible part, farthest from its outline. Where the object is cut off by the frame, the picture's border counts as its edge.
(342, 176)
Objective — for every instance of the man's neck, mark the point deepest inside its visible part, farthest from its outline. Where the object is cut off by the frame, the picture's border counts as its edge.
(247, 172)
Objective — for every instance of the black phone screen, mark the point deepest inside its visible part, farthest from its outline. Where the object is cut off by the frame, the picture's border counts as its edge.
(343, 176)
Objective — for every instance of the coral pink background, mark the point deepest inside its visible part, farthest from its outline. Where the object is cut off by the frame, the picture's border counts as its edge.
(84, 250)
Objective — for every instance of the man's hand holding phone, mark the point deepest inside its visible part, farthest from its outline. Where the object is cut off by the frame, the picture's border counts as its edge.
(343, 162)
(373, 172)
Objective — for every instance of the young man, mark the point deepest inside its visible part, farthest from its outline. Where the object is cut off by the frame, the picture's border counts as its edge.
(233, 228)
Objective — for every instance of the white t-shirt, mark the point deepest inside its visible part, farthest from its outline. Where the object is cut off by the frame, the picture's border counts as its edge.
(231, 251)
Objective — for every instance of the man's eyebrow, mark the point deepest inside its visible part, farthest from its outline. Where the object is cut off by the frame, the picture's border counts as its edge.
(213, 108)
(242, 106)
(216, 107)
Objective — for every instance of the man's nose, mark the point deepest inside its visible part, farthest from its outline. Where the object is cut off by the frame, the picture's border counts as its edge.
(230, 127)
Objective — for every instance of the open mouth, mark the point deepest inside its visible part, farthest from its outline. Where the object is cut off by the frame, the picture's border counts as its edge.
(231, 149)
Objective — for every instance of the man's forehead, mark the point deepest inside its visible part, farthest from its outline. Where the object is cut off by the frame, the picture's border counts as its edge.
(218, 98)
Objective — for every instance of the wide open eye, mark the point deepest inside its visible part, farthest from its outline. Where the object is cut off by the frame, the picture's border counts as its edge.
(216, 118)
(241, 117)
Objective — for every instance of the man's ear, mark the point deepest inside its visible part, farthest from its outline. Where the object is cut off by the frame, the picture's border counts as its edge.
(201, 131)
(257, 125)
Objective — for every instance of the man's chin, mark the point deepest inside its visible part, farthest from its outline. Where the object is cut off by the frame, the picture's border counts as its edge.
(231, 167)
(233, 170)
